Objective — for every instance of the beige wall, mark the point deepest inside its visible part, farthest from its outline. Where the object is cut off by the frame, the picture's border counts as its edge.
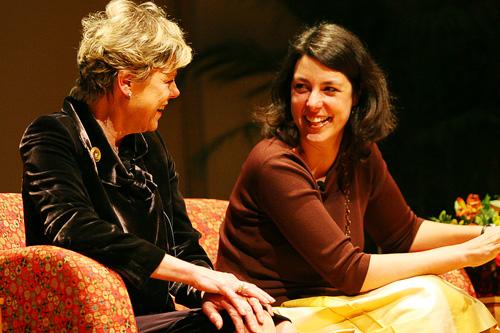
(39, 39)
(38, 69)
(212, 107)
(38, 51)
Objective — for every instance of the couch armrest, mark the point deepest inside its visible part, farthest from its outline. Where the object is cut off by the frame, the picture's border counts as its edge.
(47, 288)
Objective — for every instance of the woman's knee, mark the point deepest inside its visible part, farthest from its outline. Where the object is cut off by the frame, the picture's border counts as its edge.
(269, 326)
(285, 327)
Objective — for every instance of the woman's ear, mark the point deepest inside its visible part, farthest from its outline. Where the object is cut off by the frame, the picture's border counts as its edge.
(355, 99)
(123, 81)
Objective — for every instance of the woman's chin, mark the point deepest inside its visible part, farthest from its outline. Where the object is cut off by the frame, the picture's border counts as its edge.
(319, 140)
(318, 137)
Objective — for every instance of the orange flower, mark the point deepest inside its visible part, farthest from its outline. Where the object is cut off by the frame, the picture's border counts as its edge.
(473, 200)
(470, 208)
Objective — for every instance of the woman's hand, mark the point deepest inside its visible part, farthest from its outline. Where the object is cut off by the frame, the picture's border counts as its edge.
(254, 319)
(226, 284)
(205, 279)
(243, 296)
(483, 248)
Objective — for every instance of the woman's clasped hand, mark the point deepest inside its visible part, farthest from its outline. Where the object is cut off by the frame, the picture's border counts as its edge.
(241, 300)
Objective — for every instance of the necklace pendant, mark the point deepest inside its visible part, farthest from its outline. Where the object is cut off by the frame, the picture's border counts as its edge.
(347, 230)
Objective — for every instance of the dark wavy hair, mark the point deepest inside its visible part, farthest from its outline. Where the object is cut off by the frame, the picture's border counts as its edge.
(372, 117)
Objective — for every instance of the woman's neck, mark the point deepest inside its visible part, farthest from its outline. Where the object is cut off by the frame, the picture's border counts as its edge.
(319, 157)
(105, 116)
(111, 134)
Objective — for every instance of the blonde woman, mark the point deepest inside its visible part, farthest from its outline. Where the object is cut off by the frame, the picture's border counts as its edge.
(98, 179)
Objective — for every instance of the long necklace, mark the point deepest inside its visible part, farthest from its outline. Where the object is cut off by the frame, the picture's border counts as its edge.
(347, 205)
(346, 191)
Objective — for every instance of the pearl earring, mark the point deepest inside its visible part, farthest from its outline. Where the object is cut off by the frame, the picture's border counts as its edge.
(129, 94)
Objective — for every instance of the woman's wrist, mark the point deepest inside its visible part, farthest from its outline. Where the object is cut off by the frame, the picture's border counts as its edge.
(176, 270)
(486, 226)
(483, 229)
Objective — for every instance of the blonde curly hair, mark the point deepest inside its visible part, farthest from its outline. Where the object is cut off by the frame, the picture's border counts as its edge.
(128, 36)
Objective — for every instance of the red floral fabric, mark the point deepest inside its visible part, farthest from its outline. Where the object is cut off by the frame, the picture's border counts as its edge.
(51, 289)
(11, 221)
(460, 279)
(207, 216)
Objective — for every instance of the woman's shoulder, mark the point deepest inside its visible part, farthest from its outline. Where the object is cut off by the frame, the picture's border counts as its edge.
(269, 149)
(373, 157)
(47, 124)
(59, 129)
(271, 156)
(373, 169)
(62, 120)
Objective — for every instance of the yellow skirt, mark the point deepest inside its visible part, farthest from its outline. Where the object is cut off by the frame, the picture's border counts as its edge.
(425, 304)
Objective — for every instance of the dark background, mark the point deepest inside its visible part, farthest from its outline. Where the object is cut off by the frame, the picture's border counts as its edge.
(441, 59)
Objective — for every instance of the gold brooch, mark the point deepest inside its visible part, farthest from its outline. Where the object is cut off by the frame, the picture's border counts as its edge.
(96, 154)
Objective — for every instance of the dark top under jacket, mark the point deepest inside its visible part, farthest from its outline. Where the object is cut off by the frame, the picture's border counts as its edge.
(123, 210)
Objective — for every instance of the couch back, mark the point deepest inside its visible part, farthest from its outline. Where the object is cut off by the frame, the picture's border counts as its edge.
(206, 216)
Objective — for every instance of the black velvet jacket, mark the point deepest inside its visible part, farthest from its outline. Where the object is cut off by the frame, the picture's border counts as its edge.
(123, 210)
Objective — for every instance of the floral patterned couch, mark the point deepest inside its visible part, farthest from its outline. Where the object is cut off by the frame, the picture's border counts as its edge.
(50, 289)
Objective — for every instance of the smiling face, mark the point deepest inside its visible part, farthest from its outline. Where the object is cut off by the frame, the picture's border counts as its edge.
(149, 99)
(321, 101)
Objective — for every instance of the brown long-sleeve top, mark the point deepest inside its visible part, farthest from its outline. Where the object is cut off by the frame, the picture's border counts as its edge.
(286, 235)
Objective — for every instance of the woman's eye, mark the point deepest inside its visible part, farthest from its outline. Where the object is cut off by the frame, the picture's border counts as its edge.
(299, 87)
(330, 89)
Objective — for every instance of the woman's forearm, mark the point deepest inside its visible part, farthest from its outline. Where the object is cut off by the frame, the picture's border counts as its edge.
(176, 270)
(387, 268)
(432, 235)
(207, 280)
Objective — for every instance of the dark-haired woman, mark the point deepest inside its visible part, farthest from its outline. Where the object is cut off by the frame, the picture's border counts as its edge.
(310, 190)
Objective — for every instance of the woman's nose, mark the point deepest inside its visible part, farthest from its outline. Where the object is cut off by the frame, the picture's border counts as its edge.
(314, 101)
(174, 91)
